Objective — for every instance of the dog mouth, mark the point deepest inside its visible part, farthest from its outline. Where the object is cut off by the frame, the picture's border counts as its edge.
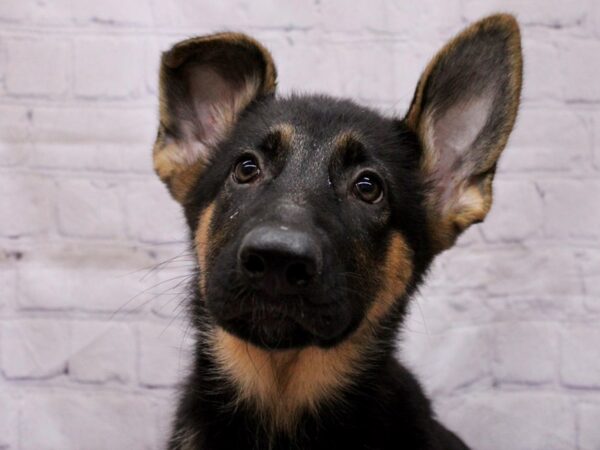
(280, 323)
(274, 331)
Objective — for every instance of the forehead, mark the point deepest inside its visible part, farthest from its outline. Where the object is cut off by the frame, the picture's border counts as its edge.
(316, 124)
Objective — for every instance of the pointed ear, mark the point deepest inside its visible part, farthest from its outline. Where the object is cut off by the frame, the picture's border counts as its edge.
(205, 83)
(463, 110)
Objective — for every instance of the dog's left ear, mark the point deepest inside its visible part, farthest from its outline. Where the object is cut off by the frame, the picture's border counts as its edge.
(205, 83)
(463, 110)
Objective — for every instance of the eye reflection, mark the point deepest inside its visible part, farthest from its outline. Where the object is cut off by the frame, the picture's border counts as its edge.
(368, 188)
(246, 169)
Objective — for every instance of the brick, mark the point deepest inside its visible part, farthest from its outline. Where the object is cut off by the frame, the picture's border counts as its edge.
(56, 13)
(102, 352)
(305, 65)
(152, 215)
(8, 287)
(75, 420)
(291, 15)
(34, 349)
(570, 208)
(547, 140)
(15, 144)
(105, 139)
(588, 416)
(425, 20)
(525, 353)
(186, 13)
(336, 15)
(516, 213)
(536, 271)
(541, 57)
(166, 413)
(440, 360)
(112, 12)
(33, 212)
(596, 135)
(548, 307)
(15, 12)
(590, 271)
(412, 20)
(361, 59)
(89, 208)
(61, 280)
(8, 421)
(594, 18)
(108, 68)
(152, 54)
(164, 353)
(37, 67)
(553, 13)
(434, 312)
(515, 420)
(581, 82)
(580, 356)
(272, 13)
(384, 71)
(448, 274)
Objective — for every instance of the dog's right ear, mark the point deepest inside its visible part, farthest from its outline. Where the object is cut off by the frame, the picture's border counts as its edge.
(205, 83)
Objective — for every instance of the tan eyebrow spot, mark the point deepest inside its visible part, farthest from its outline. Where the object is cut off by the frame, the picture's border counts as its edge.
(346, 137)
(281, 136)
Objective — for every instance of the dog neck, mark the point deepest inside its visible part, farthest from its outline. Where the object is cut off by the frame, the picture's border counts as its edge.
(284, 384)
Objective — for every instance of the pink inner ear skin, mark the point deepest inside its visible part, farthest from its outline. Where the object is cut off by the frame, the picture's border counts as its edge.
(453, 136)
(212, 102)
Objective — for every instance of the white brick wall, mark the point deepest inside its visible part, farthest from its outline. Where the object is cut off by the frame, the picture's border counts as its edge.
(505, 333)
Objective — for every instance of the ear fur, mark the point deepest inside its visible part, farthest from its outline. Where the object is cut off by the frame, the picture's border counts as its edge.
(463, 110)
(205, 83)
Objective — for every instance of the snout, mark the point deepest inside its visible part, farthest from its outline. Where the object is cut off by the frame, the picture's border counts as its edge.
(278, 259)
(285, 290)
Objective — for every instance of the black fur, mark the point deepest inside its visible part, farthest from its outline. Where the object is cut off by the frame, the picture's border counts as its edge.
(294, 256)
(385, 407)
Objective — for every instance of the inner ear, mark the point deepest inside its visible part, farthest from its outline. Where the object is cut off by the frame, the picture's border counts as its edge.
(463, 111)
(205, 83)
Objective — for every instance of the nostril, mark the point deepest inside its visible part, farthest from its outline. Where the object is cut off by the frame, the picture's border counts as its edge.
(298, 274)
(255, 265)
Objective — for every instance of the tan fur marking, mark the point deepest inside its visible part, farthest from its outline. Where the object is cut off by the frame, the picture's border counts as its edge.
(284, 384)
(395, 276)
(202, 241)
(341, 141)
(178, 175)
(286, 133)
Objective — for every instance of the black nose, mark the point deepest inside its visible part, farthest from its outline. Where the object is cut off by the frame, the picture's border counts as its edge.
(280, 259)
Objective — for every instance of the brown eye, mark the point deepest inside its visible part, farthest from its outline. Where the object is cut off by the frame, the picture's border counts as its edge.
(368, 188)
(246, 169)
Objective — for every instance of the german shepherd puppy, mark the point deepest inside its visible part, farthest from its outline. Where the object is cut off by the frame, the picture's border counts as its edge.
(313, 220)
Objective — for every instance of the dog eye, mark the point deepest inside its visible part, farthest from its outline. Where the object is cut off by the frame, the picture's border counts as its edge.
(368, 188)
(246, 169)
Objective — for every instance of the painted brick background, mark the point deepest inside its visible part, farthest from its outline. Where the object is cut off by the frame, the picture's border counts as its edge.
(506, 333)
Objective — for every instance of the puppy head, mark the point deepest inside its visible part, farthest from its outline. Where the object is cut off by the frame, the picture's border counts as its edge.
(313, 217)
